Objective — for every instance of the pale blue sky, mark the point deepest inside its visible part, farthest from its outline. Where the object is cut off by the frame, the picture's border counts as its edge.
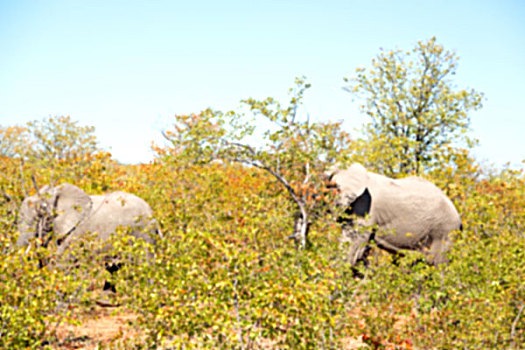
(127, 67)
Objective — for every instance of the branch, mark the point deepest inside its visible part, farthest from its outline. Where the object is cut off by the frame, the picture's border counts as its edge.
(33, 179)
(307, 170)
(515, 323)
(281, 179)
(237, 314)
(393, 95)
(261, 165)
(165, 135)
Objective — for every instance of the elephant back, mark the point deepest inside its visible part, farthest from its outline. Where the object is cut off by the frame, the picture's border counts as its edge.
(120, 209)
(413, 206)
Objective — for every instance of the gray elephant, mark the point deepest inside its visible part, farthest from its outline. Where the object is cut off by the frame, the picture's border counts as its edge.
(65, 212)
(404, 214)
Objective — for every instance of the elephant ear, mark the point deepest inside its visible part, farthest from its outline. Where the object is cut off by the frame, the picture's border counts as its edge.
(361, 205)
(72, 206)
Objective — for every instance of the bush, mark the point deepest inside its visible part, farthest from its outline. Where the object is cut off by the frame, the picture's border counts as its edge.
(226, 275)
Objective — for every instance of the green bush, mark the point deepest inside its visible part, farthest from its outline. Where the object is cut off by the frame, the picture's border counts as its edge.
(226, 275)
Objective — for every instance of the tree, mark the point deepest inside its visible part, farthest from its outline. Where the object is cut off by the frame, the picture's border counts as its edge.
(416, 110)
(295, 151)
(14, 141)
(52, 138)
(61, 138)
(55, 148)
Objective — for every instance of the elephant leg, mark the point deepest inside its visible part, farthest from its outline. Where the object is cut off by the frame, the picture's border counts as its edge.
(110, 287)
(112, 267)
(358, 245)
(109, 290)
(385, 245)
(358, 251)
(437, 252)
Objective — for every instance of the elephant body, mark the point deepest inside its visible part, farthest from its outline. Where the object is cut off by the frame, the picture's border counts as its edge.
(66, 212)
(409, 213)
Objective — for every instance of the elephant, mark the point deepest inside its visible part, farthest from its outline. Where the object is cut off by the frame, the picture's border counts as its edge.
(398, 214)
(65, 213)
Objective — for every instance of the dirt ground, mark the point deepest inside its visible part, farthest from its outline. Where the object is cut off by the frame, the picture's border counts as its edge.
(99, 327)
(106, 324)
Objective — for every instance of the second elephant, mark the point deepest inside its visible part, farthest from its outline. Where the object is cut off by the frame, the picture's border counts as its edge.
(65, 212)
(409, 213)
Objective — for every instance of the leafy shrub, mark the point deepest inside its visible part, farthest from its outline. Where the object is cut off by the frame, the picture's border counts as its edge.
(225, 274)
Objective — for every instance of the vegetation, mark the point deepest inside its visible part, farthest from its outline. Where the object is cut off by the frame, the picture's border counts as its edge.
(416, 111)
(226, 276)
(295, 152)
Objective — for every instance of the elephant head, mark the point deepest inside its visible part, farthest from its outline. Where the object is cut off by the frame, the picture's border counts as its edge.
(350, 183)
(53, 213)
(345, 200)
